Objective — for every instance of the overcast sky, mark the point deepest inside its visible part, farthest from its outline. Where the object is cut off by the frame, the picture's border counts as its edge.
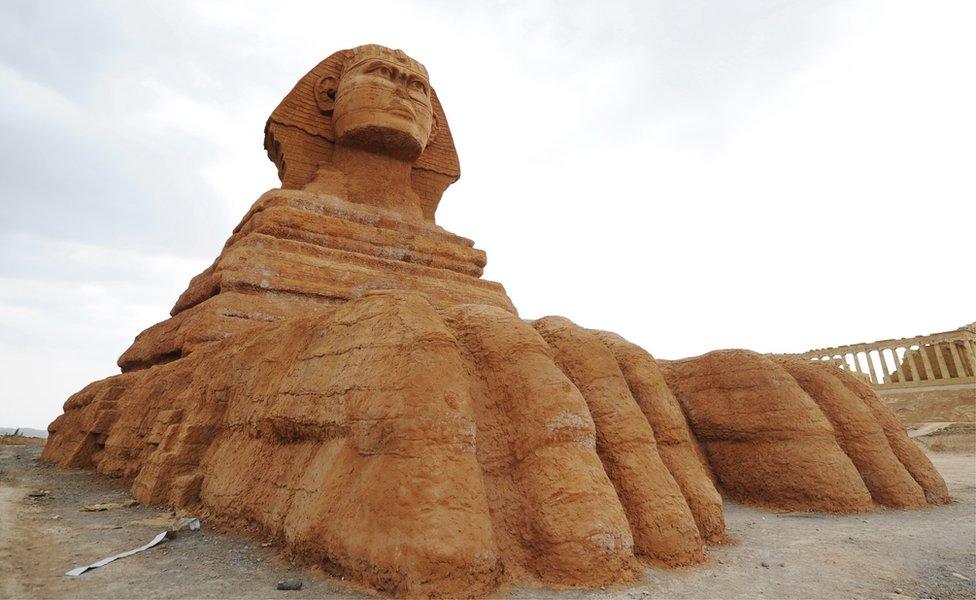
(773, 175)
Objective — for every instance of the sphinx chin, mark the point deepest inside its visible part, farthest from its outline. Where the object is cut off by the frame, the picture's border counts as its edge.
(388, 141)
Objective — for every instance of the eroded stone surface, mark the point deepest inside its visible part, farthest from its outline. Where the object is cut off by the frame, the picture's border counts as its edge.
(676, 445)
(767, 441)
(859, 435)
(555, 509)
(662, 523)
(908, 453)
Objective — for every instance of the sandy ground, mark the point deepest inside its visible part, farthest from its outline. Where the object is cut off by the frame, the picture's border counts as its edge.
(19, 440)
(889, 554)
(959, 438)
(955, 403)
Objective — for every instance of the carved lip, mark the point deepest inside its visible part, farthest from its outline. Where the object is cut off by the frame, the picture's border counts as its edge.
(401, 110)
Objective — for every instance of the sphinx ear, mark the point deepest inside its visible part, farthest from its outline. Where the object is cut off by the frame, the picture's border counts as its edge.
(434, 125)
(325, 93)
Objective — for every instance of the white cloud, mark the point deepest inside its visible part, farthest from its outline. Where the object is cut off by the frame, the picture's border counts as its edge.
(692, 175)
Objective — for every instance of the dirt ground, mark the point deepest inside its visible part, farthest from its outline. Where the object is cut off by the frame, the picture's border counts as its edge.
(951, 437)
(912, 554)
(955, 403)
(19, 440)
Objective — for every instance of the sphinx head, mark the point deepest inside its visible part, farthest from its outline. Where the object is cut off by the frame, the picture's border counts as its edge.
(372, 98)
(381, 102)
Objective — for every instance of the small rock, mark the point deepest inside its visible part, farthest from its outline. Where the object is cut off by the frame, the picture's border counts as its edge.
(187, 523)
(56, 517)
(782, 564)
(721, 562)
(289, 584)
(898, 590)
(960, 576)
(265, 544)
(765, 564)
(38, 494)
(645, 593)
(103, 506)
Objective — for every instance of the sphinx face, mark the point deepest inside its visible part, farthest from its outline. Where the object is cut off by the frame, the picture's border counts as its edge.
(383, 106)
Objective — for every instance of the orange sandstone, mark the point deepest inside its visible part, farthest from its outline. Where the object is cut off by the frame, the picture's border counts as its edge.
(859, 435)
(676, 445)
(767, 441)
(663, 526)
(909, 453)
(343, 378)
(555, 509)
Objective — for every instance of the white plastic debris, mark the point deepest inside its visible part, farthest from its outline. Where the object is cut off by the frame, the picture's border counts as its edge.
(159, 539)
(186, 523)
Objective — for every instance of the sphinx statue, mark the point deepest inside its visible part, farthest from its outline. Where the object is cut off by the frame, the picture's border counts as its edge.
(342, 378)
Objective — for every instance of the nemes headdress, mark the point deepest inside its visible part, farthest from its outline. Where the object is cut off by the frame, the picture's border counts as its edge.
(299, 135)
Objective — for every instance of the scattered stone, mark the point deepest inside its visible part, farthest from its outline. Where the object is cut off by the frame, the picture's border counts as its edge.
(765, 564)
(898, 590)
(38, 494)
(103, 506)
(289, 584)
(960, 576)
(187, 523)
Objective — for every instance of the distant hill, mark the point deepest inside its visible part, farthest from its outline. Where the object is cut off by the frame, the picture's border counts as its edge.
(25, 431)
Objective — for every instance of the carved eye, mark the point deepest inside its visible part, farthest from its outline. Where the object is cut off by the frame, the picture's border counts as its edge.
(418, 86)
(382, 71)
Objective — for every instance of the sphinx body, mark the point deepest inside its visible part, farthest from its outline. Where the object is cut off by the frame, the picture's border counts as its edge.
(342, 377)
